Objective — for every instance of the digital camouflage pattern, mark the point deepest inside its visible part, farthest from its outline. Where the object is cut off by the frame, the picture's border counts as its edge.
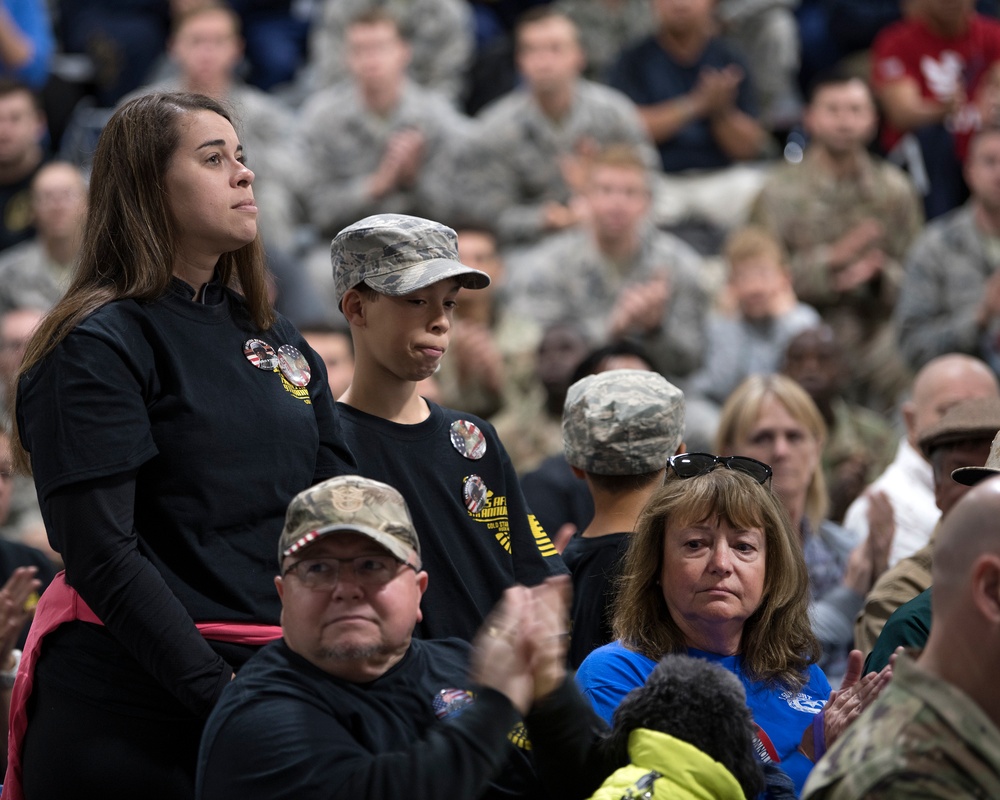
(922, 737)
(350, 503)
(440, 34)
(622, 422)
(396, 254)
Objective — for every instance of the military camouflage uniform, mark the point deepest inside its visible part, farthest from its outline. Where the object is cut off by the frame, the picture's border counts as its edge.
(807, 210)
(512, 166)
(344, 143)
(946, 270)
(567, 278)
(29, 278)
(922, 737)
(900, 584)
(606, 27)
(439, 32)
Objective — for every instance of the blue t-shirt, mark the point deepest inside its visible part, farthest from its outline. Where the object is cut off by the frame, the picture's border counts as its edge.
(612, 671)
(649, 75)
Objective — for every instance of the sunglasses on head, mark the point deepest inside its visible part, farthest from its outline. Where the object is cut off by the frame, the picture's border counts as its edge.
(691, 465)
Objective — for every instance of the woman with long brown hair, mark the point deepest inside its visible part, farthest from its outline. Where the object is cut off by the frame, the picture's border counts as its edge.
(168, 416)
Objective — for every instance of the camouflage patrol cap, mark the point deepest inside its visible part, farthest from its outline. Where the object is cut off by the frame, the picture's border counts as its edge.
(622, 422)
(350, 503)
(396, 254)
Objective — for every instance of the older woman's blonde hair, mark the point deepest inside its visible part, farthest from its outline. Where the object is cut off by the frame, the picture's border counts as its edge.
(740, 414)
(777, 643)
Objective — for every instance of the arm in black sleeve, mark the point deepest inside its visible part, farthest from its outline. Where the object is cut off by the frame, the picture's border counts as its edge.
(566, 740)
(279, 747)
(91, 525)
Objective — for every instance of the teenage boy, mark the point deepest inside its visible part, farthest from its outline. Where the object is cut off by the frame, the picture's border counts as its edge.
(396, 279)
(619, 429)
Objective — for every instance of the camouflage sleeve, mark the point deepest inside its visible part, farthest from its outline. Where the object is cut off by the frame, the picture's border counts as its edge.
(678, 346)
(810, 267)
(925, 326)
(442, 50)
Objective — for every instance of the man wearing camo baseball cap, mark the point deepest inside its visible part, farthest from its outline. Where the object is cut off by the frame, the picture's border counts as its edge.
(349, 703)
(350, 503)
(396, 254)
(619, 429)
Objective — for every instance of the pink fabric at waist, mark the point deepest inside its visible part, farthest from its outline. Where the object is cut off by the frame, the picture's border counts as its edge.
(61, 603)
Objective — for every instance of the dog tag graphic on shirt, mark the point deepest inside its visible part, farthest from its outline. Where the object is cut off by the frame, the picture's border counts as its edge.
(467, 439)
(260, 354)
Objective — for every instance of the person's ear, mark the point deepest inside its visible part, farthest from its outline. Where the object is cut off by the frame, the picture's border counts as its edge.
(279, 584)
(422, 580)
(682, 448)
(985, 584)
(577, 472)
(353, 304)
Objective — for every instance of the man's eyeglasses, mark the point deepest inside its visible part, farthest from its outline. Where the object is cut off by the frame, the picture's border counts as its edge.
(323, 573)
(691, 465)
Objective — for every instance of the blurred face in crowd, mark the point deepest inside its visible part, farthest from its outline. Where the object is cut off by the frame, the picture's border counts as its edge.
(841, 117)
(549, 55)
(21, 127)
(948, 458)
(335, 350)
(59, 200)
(478, 249)
(779, 439)
(16, 327)
(377, 56)
(683, 16)
(619, 200)
(207, 47)
(944, 14)
(352, 631)
(982, 170)
(758, 282)
(561, 350)
(813, 361)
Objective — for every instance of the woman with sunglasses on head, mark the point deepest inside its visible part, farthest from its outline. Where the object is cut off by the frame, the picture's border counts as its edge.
(712, 570)
(773, 419)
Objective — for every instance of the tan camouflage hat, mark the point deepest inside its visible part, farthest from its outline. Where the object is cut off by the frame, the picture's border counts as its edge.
(396, 254)
(350, 503)
(622, 422)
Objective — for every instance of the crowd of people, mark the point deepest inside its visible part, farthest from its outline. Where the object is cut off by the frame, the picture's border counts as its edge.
(499, 399)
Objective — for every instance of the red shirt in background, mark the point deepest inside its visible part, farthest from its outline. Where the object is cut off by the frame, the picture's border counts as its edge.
(908, 49)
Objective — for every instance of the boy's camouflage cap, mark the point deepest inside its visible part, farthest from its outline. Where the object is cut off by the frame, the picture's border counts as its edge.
(350, 503)
(396, 254)
(622, 422)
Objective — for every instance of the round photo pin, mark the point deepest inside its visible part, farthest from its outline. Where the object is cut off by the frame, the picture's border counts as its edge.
(474, 492)
(293, 365)
(467, 439)
(260, 354)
